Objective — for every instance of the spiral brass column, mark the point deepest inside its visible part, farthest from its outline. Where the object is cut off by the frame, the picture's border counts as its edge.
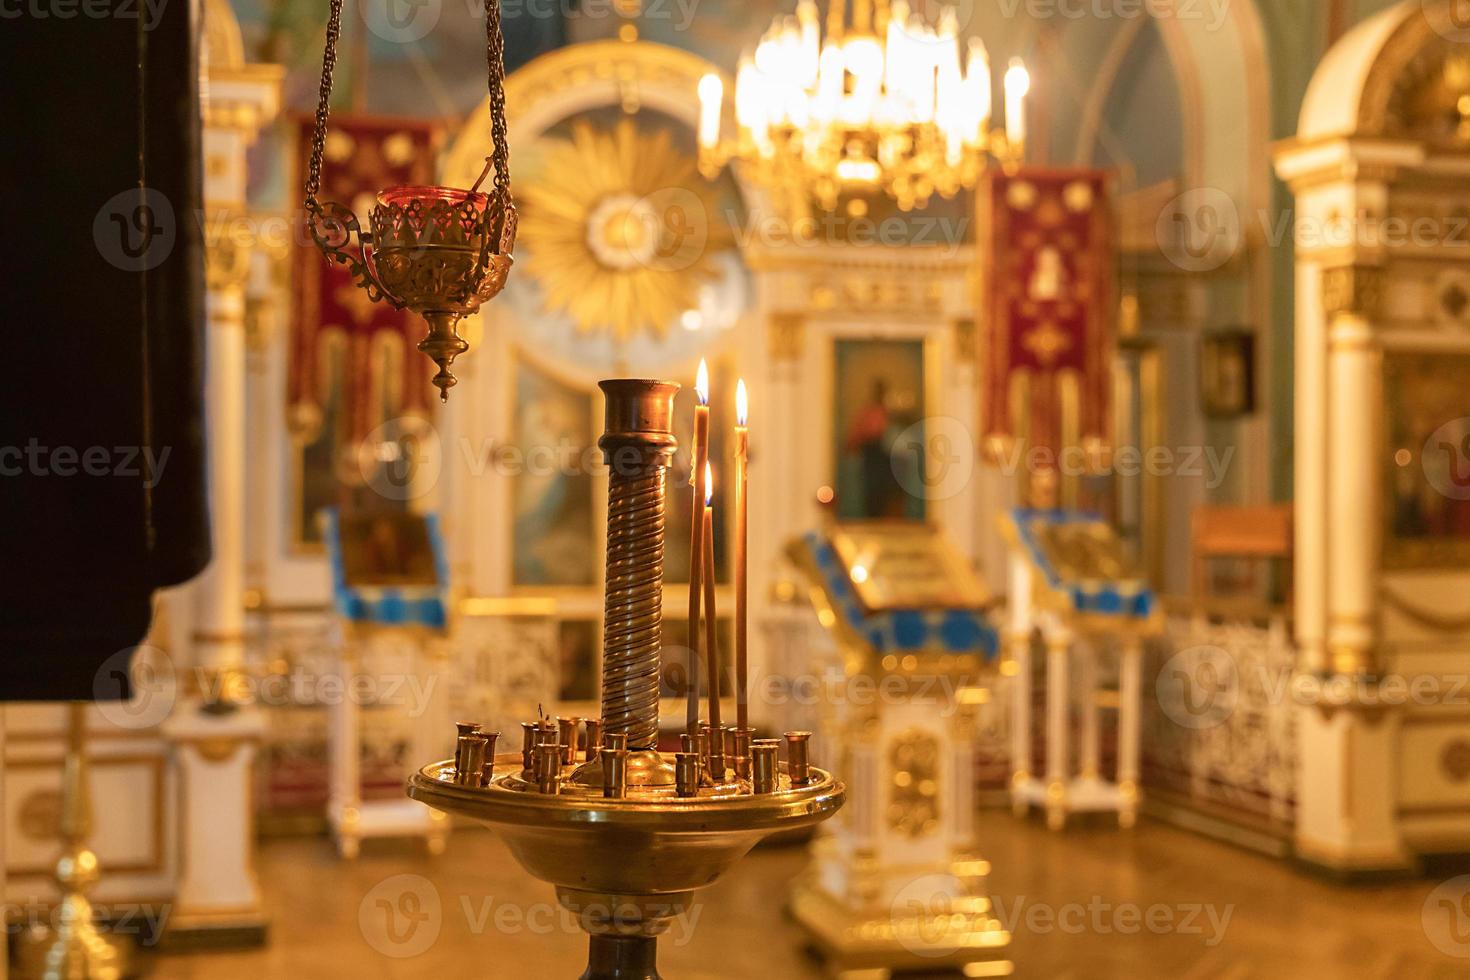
(637, 444)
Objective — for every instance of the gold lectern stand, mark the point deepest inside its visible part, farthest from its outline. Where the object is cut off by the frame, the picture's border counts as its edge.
(73, 949)
(898, 885)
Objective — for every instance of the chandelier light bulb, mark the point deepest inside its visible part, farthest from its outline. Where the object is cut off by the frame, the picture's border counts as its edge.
(711, 97)
(1017, 84)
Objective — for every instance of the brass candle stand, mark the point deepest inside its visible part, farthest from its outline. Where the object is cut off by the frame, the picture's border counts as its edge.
(74, 948)
(625, 834)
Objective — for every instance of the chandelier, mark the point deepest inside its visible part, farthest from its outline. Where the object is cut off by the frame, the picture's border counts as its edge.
(882, 103)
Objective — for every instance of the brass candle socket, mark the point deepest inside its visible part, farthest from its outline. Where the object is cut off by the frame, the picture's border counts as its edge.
(462, 729)
(764, 771)
(548, 767)
(487, 770)
(743, 737)
(594, 738)
(614, 773)
(529, 734)
(567, 730)
(469, 769)
(686, 774)
(798, 765)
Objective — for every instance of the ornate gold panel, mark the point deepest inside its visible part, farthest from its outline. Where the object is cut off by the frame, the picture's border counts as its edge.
(913, 794)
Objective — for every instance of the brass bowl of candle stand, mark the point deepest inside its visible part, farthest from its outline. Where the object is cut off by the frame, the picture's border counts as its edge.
(626, 866)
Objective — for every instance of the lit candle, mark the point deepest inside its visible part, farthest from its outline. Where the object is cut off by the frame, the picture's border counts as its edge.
(711, 648)
(742, 459)
(977, 85)
(698, 466)
(1017, 84)
(711, 98)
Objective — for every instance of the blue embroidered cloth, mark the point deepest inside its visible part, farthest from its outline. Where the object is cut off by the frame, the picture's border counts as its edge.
(1132, 599)
(901, 630)
(424, 605)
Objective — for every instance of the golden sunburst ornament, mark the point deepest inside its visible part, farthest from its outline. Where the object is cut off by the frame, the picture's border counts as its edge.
(618, 228)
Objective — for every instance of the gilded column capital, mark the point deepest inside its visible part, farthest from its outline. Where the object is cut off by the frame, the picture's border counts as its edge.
(226, 264)
(1352, 289)
(787, 335)
(965, 338)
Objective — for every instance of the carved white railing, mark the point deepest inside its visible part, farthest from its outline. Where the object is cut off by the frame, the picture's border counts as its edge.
(1219, 733)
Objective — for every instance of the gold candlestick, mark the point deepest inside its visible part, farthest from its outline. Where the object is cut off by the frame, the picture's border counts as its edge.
(742, 460)
(74, 948)
(711, 622)
(699, 464)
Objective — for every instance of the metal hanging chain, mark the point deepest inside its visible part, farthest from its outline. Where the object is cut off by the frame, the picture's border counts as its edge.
(495, 60)
(323, 106)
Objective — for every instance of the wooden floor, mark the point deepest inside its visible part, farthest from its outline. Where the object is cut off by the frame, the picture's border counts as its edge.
(1081, 902)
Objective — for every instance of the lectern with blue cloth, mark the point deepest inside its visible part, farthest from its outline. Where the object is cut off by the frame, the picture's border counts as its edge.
(390, 593)
(1071, 582)
(899, 885)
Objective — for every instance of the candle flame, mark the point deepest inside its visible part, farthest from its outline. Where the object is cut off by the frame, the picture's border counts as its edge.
(701, 382)
(709, 483)
(742, 403)
(1017, 78)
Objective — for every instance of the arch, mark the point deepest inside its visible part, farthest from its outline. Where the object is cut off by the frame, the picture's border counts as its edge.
(1380, 79)
(584, 76)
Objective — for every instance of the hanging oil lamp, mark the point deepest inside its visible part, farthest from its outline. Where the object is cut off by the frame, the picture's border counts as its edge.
(438, 251)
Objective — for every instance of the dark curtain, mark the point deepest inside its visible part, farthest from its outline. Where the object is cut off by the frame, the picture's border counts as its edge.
(102, 458)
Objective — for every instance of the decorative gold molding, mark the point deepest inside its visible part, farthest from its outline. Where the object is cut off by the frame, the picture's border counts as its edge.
(787, 336)
(226, 266)
(1424, 617)
(1352, 289)
(157, 861)
(913, 793)
(965, 338)
(1410, 92)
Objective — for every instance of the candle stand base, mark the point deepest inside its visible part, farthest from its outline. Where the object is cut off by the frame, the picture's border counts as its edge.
(627, 867)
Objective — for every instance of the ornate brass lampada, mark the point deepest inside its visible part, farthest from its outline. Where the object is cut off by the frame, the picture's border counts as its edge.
(625, 836)
(438, 251)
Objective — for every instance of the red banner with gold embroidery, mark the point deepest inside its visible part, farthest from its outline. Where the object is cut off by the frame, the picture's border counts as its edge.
(339, 338)
(1047, 268)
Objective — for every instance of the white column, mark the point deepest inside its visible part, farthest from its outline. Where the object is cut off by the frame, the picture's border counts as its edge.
(1058, 698)
(1353, 399)
(219, 593)
(1349, 758)
(218, 891)
(1309, 513)
(1089, 752)
(1130, 705)
(1020, 648)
